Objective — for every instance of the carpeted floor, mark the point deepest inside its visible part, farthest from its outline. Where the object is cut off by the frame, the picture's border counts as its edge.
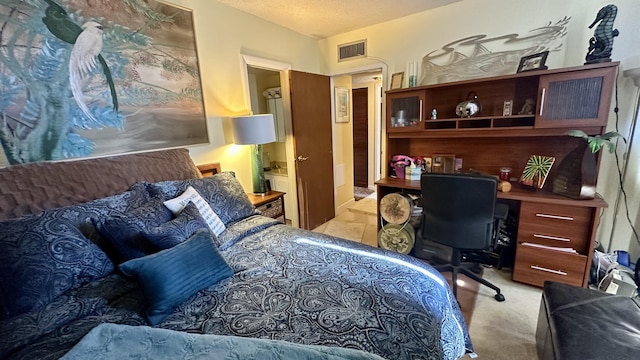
(505, 330)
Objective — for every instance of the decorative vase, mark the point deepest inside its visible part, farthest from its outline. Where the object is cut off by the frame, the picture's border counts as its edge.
(577, 174)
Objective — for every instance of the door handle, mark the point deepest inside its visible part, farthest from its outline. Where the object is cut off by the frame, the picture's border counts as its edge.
(301, 158)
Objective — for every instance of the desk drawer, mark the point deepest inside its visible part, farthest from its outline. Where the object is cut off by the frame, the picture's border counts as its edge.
(534, 266)
(273, 209)
(555, 225)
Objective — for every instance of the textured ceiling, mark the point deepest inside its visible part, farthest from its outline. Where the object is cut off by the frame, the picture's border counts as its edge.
(324, 18)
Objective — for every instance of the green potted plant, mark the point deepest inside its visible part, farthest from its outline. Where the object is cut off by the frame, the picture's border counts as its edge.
(578, 172)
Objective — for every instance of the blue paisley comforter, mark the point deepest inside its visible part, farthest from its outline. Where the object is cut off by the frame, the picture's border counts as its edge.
(288, 284)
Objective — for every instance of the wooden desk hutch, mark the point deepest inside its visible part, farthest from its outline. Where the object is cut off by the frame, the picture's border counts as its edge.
(565, 99)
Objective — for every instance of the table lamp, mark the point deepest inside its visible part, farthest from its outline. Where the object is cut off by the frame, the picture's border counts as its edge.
(255, 130)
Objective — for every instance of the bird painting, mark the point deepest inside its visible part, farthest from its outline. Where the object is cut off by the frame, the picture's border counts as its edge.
(85, 53)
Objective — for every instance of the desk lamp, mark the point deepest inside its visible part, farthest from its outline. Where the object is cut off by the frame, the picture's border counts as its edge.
(255, 130)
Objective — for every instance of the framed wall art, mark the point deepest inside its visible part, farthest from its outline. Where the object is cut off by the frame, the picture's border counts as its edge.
(139, 90)
(533, 62)
(342, 105)
(536, 170)
(396, 80)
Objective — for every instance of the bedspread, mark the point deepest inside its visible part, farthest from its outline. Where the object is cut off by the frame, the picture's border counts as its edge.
(111, 341)
(288, 284)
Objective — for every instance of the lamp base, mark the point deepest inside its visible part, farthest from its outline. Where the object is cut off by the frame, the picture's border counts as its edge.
(257, 171)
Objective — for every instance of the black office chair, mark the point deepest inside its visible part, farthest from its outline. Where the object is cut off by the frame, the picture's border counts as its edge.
(459, 211)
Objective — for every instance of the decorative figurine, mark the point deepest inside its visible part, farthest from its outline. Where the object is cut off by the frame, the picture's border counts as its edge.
(528, 107)
(601, 44)
(434, 114)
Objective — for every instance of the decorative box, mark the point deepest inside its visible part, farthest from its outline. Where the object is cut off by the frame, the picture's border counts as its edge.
(412, 173)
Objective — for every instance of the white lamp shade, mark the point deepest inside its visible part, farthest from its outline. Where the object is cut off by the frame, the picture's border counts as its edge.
(253, 129)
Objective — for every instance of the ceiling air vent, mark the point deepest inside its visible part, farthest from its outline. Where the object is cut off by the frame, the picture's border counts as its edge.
(353, 50)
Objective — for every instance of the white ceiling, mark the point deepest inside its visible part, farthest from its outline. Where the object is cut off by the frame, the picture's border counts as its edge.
(324, 18)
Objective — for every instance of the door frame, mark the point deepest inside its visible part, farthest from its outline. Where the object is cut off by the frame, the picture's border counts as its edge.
(283, 69)
(379, 144)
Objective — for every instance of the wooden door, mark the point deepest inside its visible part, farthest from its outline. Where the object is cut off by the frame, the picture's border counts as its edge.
(311, 124)
(360, 137)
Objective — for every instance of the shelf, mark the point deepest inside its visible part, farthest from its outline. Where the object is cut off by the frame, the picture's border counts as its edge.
(495, 132)
(481, 122)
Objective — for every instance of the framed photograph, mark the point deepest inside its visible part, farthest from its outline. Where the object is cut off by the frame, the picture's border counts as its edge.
(396, 80)
(342, 105)
(506, 108)
(533, 62)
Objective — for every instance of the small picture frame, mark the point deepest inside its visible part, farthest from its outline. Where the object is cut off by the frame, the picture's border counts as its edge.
(507, 108)
(533, 62)
(342, 105)
(396, 80)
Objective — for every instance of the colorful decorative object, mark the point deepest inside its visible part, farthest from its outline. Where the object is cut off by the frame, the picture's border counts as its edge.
(82, 78)
(536, 170)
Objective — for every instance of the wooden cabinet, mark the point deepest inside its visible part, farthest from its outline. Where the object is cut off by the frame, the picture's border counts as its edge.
(563, 99)
(553, 243)
(541, 100)
(405, 110)
(574, 99)
(270, 205)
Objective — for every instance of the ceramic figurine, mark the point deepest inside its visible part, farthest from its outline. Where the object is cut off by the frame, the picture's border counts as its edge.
(601, 44)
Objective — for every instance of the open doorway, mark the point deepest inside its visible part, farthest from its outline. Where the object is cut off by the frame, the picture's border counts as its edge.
(367, 131)
(307, 172)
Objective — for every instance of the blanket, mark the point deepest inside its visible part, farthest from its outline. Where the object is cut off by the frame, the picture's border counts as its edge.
(113, 341)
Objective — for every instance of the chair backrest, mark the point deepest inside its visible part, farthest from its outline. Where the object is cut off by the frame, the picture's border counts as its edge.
(458, 209)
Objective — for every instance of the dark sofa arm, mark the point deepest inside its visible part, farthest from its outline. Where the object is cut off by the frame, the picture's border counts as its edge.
(579, 323)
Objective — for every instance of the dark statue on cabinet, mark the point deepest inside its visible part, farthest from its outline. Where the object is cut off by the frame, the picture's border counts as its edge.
(601, 44)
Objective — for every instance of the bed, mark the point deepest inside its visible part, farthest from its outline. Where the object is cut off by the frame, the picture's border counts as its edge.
(92, 257)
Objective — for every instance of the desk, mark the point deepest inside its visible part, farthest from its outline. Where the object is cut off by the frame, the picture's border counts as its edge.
(544, 219)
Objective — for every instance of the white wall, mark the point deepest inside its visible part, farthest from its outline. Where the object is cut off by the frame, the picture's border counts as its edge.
(223, 35)
(408, 39)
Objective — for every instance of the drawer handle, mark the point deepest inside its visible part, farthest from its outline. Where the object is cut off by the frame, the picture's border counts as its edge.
(558, 217)
(551, 237)
(557, 272)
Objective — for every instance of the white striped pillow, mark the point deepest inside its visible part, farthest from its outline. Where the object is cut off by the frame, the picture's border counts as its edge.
(177, 204)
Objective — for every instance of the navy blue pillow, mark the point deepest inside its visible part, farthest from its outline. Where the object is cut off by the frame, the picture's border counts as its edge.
(170, 277)
(177, 230)
(44, 255)
(223, 192)
(124, 231)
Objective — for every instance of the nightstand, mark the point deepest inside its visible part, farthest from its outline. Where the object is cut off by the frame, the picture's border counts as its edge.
(271, 204)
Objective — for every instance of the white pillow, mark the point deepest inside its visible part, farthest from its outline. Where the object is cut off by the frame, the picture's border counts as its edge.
(177, 204)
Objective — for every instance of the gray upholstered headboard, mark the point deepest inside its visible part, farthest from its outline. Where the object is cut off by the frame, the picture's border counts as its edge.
(30, 188)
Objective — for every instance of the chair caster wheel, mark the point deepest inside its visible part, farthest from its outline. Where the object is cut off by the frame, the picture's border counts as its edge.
(499, 297)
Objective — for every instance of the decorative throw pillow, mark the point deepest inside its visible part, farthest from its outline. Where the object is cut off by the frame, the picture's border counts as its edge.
(172, 276)
(42, 256)
(191, 195)
(177, 230)
(124, 231)
(222, 191)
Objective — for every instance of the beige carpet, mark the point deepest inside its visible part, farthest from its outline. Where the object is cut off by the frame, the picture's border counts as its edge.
(505, 330)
